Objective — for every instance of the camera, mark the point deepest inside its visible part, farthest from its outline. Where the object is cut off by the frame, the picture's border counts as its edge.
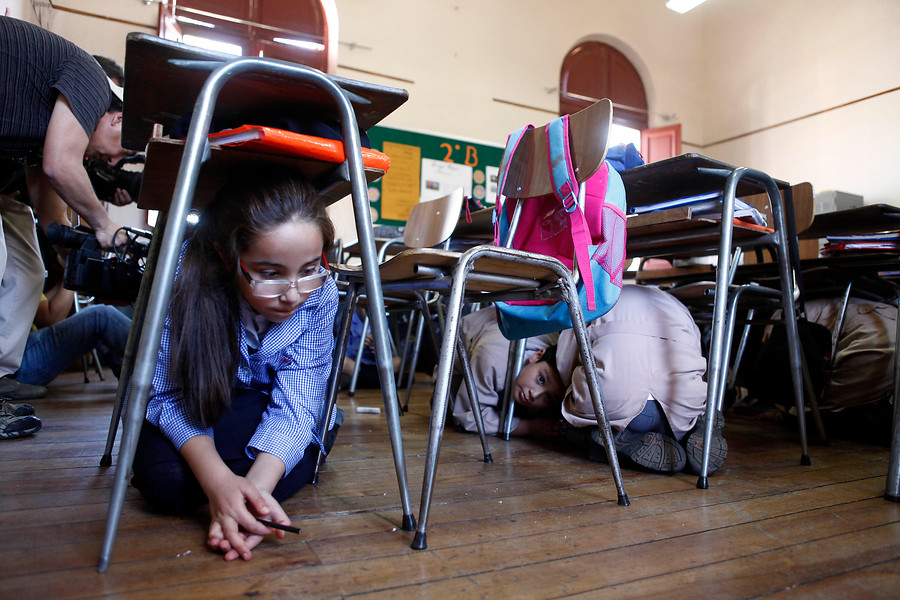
(106, 178)
(96, 272)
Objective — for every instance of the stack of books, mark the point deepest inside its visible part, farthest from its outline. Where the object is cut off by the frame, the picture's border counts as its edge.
(885, 241)
(707, 206)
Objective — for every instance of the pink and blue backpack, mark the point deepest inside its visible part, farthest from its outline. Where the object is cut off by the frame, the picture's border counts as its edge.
(591, 235)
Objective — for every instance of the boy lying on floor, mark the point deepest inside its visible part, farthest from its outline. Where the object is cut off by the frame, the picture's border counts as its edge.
(647, 350)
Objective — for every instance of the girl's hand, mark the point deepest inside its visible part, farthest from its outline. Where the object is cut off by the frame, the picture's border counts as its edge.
(218, 543)
(234, 504)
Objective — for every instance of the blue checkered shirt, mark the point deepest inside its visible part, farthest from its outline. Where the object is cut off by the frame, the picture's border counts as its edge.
(292, 366)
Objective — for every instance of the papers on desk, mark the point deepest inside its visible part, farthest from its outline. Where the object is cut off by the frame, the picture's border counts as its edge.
(885, 241)
(706, 206)
(883, 236)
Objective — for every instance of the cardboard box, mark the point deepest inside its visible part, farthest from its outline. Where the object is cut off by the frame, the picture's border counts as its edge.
(830, 201)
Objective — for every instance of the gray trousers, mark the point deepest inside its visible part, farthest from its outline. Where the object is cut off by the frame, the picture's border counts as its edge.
(21, 280)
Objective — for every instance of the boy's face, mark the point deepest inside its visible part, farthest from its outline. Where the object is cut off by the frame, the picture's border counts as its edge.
(538, 384)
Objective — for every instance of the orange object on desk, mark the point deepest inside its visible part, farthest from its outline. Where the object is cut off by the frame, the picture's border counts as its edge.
(279, 141)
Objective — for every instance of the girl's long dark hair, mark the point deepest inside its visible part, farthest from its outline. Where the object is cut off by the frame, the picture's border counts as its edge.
(205, 311)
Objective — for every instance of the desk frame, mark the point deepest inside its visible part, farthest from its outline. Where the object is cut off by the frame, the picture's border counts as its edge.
(153, 312)
(701, 174)
(717, 360)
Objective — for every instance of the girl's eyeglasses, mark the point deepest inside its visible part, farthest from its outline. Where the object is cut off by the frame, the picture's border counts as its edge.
(273, 288)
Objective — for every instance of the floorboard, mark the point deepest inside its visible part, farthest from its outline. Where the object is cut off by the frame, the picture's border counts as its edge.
(540, 522)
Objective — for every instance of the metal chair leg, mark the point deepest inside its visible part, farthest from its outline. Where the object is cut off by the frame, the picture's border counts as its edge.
(469, 381)
(342, 334)
(587, 359)
(407, 344)
(420, 319)
(513, 366)
(92, 356)
(739, 354)
(439, 411)
(359, 354)
(442, 383)
(134, 334)
(892, 484)
(719, 319)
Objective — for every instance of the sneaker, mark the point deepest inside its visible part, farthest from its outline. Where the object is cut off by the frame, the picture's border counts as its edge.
(718, 447)
(15, 410)
(652, 451)
(16, 390)
(13, 427)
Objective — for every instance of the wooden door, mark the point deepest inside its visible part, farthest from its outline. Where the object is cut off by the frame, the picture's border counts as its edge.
(661, 142)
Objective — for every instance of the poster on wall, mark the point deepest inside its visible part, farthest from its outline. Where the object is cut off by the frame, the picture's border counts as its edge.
(427, 166)
(439, 178)
(400, 185)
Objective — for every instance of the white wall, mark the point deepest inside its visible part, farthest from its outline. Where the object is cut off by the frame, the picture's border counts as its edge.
(767, 62)
(727, 68)
(462, 55)
(105, 36)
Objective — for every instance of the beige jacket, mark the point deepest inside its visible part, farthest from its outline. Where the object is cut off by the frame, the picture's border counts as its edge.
(646, 346)
(863, 364)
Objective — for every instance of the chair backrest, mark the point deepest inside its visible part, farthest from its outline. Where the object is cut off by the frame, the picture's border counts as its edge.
(341, 214)
(804, 209)
(803, 205)
(432, 222)
(590, 239)
(528, 176)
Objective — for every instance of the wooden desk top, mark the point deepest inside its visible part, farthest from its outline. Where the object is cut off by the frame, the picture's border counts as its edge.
(481, 227)
(676, 232)
(160, 89)
(164, 160)
(648, 233)
(871, 218)
(679, 177)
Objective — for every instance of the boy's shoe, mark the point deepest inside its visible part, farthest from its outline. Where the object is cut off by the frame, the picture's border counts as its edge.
(15, 410)
(13, 427)
(718, 447)
(16, 390)
(652, 451)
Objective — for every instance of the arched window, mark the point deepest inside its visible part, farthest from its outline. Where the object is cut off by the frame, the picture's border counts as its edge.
(301, 31)
(593, 70)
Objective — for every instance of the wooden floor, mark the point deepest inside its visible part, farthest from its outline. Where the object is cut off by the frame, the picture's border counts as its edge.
(540, 522)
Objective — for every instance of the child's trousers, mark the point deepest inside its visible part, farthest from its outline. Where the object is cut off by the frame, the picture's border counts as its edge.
(165, 479)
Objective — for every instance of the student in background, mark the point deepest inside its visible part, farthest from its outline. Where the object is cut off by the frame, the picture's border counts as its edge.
(244, 362)
(488, 354)
(650, 365)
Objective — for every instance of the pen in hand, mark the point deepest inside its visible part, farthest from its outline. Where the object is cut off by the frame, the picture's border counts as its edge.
(273, 525)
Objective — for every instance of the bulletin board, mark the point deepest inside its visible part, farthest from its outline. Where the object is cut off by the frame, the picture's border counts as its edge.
(427, 166)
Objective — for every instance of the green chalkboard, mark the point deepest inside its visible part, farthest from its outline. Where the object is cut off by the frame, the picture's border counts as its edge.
(429, 165)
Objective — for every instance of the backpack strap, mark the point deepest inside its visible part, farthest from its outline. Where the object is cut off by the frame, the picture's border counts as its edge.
(512, 143)
(566, 188)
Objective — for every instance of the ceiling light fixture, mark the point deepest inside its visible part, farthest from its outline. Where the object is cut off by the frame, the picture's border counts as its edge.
(300, 43)
(682, 6)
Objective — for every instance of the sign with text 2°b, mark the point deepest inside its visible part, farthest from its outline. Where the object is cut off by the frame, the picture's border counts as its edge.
(427, 166)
